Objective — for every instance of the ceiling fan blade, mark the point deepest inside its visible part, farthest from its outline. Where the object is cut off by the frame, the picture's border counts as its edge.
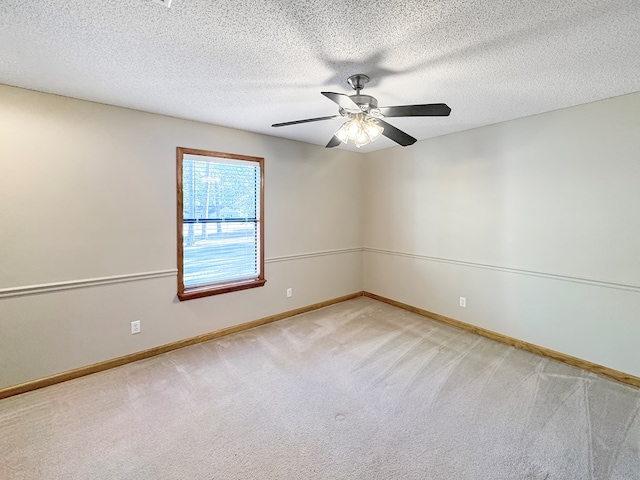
(426, 110)
(396, 134)
(334, 142)
(307, 120)
(343, 100)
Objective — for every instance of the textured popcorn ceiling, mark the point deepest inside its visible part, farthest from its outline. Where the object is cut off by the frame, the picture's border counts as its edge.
(248, 64)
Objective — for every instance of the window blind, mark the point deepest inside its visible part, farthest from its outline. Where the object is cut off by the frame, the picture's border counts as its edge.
(220, 230)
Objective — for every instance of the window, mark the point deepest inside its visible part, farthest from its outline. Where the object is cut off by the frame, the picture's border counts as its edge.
(220, 222)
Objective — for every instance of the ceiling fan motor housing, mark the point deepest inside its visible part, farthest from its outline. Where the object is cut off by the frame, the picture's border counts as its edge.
(365, 102)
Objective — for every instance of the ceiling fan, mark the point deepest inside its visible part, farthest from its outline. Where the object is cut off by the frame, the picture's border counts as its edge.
(365, 119)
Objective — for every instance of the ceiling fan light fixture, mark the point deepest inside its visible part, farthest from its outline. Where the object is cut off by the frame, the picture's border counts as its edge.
(360, 130)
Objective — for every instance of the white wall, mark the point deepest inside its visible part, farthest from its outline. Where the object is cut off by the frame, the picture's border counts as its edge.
(535, 221)
(88, 191)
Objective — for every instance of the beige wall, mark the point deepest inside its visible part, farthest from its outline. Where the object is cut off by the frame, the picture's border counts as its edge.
(87, 191)
(535, 221)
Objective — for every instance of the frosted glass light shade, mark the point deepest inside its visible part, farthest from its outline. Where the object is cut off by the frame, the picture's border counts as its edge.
(360, 130)
(373, 129)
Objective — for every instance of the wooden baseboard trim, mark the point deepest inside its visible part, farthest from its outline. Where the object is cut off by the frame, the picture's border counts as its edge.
(152, 352)
(610, 373)
(601, 370)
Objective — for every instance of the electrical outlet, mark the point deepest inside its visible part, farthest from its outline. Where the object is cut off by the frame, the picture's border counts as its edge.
(463, 302)
(135, 327)
(289, 292)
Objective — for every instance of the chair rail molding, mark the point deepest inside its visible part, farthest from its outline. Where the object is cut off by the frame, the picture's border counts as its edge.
(518, 271)
(83, 283)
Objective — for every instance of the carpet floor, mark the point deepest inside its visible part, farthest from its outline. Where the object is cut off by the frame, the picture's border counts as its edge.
(357, 390)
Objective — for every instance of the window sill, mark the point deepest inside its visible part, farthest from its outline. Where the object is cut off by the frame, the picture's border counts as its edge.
(209, 290)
